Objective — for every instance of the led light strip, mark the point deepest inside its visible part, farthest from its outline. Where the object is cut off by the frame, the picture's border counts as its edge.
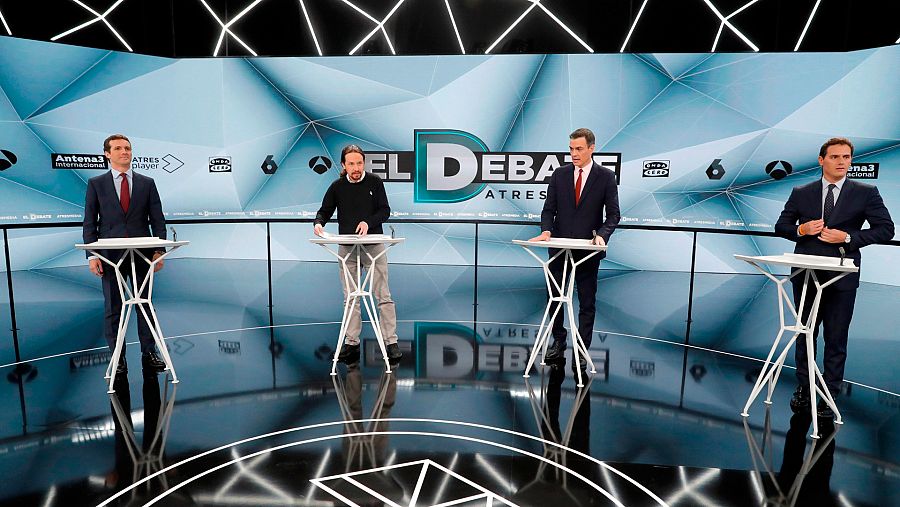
(9, 32)
(537, 3)
(722, 24)
(631, 30)
(506, 32)
(727, 23)
(226, 27)
(462, 48)
(310, 25)
(809, 22)
(379, 26)
(100, 17)
(563, 25)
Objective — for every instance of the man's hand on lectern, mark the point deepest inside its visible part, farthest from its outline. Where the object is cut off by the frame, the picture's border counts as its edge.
(318, 229)
(598, 240)
(158, 265)
(362, 229)
(545, 236)
(96, 267)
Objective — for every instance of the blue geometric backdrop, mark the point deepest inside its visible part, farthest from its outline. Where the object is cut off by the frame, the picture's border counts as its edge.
(746, 110)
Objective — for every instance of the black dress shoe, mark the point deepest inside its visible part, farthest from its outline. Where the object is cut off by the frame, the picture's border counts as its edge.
(122, 367)
(393, 353)
(349, 354)
(800, 400)
(151, 362)
(556, 351)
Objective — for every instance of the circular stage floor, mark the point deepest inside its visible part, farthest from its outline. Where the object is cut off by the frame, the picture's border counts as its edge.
(258, 420)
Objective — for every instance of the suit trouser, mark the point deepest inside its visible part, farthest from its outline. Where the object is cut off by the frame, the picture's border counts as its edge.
(113, 304)
(585, 285)
(386, 311)
(835, 313)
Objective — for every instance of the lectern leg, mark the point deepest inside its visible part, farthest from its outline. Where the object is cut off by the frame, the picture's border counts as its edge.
(117, 350)
(579, 349)
(349, 308)
(543, 336)
(573, 324)
(369, 303)
(538, 342)
(120, 336)
(156, 331)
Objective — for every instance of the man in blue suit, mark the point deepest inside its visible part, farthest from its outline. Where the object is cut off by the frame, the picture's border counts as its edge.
(578, 196)
(824, 217)
(123, 204)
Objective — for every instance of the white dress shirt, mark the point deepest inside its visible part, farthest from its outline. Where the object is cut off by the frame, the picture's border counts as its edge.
(117, 182)
(584, 176)
(837, 190)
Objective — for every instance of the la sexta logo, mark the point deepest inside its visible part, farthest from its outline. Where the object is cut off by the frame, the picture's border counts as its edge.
(715, 171)
(220, 164)
(7, 160)
(320, 164)
(269, 166)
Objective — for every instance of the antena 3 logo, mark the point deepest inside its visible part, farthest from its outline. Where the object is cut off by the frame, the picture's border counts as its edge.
(454, 166)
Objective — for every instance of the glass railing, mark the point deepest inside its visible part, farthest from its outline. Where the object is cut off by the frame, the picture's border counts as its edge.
(676, 285)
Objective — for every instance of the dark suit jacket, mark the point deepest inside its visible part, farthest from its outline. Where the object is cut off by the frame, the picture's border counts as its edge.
(563, 219)
(104, 218)
(857, 203)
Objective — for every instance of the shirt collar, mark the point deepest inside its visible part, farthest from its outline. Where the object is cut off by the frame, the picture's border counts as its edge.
(587, 166)
(360, 178)
(839, 183)
(115, 173)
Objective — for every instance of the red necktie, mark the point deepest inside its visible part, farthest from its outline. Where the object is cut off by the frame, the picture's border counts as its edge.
(578, 187)
(124, 195)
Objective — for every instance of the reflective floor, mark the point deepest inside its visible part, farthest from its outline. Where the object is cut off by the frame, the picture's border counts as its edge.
(258, 420)
(454, 424)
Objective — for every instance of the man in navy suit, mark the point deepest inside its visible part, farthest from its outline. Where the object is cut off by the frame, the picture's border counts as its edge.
(123, 204)
(578, 196)
(824, 217)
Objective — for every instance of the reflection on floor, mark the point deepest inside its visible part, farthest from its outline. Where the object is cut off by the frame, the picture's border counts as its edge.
(258, 420)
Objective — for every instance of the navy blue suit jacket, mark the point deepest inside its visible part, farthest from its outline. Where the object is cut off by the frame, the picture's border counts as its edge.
(104, 218)
(563, 219)
(857, 203)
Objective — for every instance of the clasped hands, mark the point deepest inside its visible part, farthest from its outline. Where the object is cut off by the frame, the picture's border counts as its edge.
(814, 227)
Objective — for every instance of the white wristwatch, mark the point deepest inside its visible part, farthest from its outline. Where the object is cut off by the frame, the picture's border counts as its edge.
(847, 238)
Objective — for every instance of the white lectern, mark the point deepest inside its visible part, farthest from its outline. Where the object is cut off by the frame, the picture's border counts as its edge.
(131, 249)
(808, 265)
(359, 288)
(565, 247)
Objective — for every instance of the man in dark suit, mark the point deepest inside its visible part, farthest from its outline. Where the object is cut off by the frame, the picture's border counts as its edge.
(123, 204)
(824, 217)
(578, 196)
